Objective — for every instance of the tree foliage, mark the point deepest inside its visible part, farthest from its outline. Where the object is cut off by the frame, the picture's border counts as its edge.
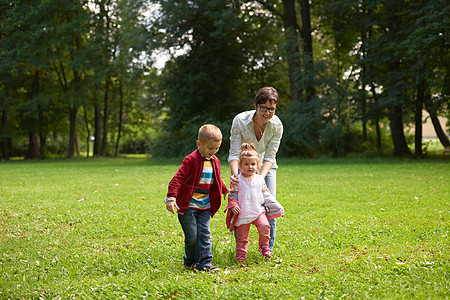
(78, 75)
(72, 54)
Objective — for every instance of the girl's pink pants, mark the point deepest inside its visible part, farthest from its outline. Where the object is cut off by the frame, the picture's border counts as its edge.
(242, 232)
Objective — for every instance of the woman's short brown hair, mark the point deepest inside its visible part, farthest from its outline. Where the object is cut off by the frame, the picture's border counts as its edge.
(266, 94)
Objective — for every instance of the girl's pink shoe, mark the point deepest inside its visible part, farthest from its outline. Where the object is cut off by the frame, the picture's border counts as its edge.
(241, 259)
(265, 251)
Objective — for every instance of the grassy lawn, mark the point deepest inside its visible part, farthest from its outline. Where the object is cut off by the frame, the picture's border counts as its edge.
(98, 229)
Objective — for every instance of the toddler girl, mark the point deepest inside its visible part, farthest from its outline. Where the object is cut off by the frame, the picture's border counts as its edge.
(251, 204)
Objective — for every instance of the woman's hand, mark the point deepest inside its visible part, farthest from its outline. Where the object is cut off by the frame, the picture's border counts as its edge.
(234, 183)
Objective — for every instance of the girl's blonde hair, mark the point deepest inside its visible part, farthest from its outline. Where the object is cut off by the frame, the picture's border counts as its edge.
(248, 150)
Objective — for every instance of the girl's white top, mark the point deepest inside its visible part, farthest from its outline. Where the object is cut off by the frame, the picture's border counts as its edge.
(250, 198)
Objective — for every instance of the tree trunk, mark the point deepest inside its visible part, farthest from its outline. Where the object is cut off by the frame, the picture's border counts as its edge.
(362, 90)
(378, 130)
(72, 130)
(292, 50)
(73, 109)
(42, 134)
(88, 139)
(119, 130)
(398, 136)
(362, 93)
(418, 118)
(42, 145)
(377, 116)
(437, 125)
(307, 50)
(103, 149)
(5, 149)
(33, 146)
(97, 129)
(77, 145)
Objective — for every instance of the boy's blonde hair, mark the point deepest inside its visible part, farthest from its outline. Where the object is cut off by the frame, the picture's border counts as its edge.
(209, 132)
(248, 150)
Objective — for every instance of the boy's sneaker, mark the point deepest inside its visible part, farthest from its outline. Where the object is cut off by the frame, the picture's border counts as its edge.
(210, 268)
(266, 252)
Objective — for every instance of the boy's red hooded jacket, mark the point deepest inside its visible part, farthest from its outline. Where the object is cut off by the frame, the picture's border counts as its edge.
(186, 179)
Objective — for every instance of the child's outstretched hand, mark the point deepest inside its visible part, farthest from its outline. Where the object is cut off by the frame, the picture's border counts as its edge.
(171, 206)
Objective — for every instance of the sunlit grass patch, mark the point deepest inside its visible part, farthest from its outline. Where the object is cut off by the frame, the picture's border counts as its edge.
(98, 229)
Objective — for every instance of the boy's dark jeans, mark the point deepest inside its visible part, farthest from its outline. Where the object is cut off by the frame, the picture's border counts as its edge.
(197, 242)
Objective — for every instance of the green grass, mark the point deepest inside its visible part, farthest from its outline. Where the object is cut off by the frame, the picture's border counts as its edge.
(98, 229)
(433, 144)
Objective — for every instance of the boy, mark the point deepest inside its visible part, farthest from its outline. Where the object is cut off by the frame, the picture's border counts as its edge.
(195, 192)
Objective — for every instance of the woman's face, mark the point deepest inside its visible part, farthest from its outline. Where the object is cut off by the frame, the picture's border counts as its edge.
(265, 112)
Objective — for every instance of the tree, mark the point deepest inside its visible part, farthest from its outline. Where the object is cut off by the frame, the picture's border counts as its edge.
(292, 50)
(308, 58)
(342, 68)
(102, 54)
(426, 54)
(52, 60)
(117, 41)
(203, 85)
(264, 50)
(67, 53)
(24, 27)
(301, 76)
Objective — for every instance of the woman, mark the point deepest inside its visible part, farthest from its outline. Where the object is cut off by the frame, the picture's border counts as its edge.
(264, 129)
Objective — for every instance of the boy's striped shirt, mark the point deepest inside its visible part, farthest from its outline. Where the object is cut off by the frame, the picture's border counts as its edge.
(200, 198)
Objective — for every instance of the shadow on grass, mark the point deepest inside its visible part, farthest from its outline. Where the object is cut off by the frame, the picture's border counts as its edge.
(144, 159)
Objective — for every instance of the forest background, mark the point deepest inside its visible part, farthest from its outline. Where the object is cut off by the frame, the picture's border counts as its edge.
(87, 78)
